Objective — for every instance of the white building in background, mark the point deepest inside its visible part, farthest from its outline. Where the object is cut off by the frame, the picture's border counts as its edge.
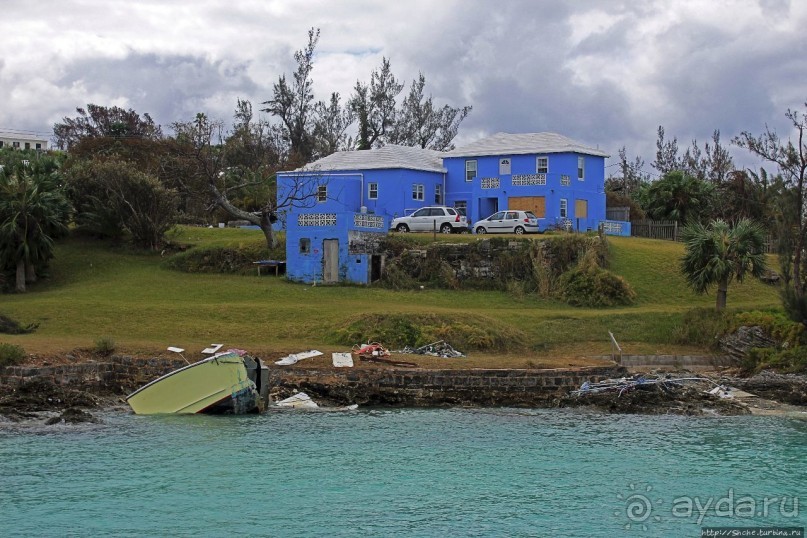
(17, 140)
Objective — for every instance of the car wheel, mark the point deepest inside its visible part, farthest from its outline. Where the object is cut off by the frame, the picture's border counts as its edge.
(519, 230)
(481, 231)
(445, 229)
(403, 228)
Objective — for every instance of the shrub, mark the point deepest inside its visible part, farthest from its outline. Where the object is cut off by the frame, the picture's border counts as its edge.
(702, 326)
(791, 360)
(593, 286)
(105, 346)
(10, 354)
(775, 324)
(463, 332)
(222, 259)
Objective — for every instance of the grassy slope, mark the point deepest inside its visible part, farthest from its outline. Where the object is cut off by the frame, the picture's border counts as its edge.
(96, 292)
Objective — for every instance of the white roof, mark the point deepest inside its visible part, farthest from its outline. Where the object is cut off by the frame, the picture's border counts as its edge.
(389, 156)
(524, 143)
(6, 135)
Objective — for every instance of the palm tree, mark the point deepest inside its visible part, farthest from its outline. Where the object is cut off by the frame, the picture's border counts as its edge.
(718, 253)
(33, 211)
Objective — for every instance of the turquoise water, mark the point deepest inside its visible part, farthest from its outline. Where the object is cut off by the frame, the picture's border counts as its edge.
(413, 472)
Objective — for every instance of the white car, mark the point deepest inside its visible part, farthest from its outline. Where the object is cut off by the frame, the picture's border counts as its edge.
(441, 218)
(508, 222)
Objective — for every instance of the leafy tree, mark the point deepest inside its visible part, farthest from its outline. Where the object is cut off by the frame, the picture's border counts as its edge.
(293, 102)
(666, 154)
(33, 212)
(717, 253)
(374, 106)
(678, 197)
(113, 196)
(99, 121)
(791, 160)
(718, 160)
(331, 120)
(422, 125)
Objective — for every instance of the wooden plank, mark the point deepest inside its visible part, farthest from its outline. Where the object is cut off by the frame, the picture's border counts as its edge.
(536, 204)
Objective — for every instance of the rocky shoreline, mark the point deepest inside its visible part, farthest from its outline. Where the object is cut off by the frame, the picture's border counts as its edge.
(47, 400)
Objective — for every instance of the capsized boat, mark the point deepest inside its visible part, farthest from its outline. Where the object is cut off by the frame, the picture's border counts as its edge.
(229, 382)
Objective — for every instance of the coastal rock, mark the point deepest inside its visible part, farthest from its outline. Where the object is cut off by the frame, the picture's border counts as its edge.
(72, 415)
(738, 343)
(658, 400)
(786, 388)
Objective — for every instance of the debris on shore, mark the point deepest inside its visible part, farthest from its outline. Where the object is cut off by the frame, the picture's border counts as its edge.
(656, 395)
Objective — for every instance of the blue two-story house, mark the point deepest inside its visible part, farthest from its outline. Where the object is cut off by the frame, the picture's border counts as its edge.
(558, 179)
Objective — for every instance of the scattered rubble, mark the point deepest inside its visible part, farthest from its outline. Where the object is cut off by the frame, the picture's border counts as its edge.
(441, 348)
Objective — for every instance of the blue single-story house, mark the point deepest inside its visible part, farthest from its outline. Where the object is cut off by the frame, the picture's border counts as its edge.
(558, 179)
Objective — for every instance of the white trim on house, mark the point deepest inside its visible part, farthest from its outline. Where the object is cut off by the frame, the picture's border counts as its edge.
(523, 144)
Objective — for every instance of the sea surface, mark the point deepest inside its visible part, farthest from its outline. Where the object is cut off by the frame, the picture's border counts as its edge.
(402, 472)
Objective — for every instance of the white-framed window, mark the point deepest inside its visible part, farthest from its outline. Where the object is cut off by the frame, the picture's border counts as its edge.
(39, 146)
(322, 193)
(15, 145)
(581, 168)
(564, 208)
(438, 194)
(417, 191)
(542, 165)
(470, 170)
(372, 191)
(27, 145)
(504, 166)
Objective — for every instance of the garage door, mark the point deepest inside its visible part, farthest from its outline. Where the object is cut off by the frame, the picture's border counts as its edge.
(536, 204)
(581, 209)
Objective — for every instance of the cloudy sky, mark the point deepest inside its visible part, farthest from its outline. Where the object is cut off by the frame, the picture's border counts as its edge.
(605, 72)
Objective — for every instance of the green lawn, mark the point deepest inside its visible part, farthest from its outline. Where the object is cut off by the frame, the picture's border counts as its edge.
(96, 291)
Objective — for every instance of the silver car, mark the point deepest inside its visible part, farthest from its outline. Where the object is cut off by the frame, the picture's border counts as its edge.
(441, 218)
(508, 222)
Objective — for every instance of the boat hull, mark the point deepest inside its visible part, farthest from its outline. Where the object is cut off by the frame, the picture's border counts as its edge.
(219, 384)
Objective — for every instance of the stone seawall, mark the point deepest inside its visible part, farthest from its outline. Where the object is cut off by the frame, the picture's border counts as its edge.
(118, 375)
(366, 386)
(418, 387)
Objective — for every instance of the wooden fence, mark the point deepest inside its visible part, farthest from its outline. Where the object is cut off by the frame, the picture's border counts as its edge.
(670, 230)
(656, 229)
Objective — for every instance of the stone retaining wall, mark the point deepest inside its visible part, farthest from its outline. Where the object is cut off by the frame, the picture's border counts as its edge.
(676, 361)
(417, 387)
(119, 375)
(373, 386)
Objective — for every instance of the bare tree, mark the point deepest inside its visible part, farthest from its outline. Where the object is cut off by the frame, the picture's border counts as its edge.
(791, 159)
(203, 163)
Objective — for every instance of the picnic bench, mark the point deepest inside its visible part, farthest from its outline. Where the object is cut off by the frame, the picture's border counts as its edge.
(278, 265)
